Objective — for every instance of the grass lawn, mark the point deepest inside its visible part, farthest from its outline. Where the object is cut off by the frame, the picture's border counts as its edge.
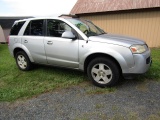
(16, 84)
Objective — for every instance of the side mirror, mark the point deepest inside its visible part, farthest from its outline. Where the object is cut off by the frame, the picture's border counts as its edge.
(69, 35)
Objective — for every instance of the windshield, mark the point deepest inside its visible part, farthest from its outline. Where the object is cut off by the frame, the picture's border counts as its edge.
(87, 27)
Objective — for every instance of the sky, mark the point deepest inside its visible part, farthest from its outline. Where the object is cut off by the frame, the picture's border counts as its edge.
(36, 8)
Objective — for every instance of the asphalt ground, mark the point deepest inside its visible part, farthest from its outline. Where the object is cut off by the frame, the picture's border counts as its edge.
(129, 100)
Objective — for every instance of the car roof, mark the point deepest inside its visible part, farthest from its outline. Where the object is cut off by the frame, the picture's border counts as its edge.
(38, 18)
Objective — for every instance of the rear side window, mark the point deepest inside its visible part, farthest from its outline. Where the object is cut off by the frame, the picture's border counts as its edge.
(35, 27)
(16, 28)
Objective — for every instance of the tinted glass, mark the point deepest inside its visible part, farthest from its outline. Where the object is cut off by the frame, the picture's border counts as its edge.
(56, 28)
(16, 28)
(27, 31)
(35, 27)
(87, 27)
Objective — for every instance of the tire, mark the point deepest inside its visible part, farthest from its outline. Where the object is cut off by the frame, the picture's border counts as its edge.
(23, 61)
(103, 72)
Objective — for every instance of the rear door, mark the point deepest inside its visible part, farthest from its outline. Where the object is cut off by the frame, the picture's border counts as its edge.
(33, 40)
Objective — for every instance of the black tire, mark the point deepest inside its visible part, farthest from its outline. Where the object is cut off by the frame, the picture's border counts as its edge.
(103, 72)
(23, 61)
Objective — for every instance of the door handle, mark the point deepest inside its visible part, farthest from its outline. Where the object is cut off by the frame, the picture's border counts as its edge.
(49, 42)
(25, 41)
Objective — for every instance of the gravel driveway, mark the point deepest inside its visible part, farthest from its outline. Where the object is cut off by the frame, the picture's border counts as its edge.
(131, 99)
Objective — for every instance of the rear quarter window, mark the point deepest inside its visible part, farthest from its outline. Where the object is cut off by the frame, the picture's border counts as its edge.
(16, 28)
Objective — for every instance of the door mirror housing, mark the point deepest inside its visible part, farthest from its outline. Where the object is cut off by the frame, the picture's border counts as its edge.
(69, 35)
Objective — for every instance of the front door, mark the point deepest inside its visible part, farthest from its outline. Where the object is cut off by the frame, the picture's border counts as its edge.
(60, 51)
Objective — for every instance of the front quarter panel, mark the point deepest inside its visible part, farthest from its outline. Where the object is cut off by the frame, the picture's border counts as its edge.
(121, 54)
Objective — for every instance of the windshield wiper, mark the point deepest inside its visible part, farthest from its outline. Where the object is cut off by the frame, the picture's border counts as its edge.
(102, 33)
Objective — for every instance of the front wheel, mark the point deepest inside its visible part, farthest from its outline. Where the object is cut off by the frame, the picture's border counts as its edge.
(23, 61)
(103, 72)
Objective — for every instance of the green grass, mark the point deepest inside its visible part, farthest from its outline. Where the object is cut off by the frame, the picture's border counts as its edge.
(154, 71)
(16, 84)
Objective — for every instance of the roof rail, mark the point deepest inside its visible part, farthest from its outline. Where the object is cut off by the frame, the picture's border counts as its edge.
(68, 16)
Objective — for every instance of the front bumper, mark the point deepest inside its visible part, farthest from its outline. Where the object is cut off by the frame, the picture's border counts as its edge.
(142, 63)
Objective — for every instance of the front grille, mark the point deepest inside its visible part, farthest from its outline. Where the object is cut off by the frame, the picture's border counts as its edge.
(148, 60)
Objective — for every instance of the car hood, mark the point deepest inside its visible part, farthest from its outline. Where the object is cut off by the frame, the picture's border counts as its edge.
(116, 39)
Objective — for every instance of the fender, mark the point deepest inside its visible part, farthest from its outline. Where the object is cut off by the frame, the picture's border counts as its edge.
(121, 54)
(21, 46)
(28, 53)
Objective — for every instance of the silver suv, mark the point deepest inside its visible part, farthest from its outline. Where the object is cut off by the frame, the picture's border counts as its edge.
(78, 44)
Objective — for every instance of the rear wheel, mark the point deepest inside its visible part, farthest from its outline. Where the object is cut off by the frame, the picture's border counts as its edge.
(103, 72)
(23, 61)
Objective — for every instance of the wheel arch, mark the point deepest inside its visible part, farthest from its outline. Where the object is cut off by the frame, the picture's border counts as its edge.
(96, 55)
(17, 49)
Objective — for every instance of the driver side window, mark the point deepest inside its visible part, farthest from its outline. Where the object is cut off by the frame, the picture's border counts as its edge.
(55, 28)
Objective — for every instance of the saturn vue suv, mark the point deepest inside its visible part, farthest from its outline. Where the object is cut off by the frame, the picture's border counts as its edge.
(77, 44)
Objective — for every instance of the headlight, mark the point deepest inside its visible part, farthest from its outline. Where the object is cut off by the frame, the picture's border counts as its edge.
(138, 48)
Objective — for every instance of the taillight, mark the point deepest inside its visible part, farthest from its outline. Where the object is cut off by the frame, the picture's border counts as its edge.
(8, 40)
